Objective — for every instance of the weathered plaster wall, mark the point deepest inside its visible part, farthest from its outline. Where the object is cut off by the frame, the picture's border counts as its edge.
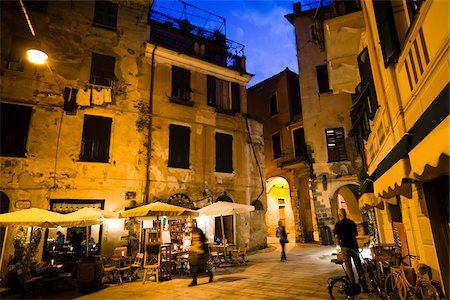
(51, 168)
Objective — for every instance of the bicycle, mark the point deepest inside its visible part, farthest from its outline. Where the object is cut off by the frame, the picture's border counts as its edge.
(341, 285)
(398, 286)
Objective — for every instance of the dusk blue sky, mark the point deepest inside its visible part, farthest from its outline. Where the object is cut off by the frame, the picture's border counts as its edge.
(260, 25)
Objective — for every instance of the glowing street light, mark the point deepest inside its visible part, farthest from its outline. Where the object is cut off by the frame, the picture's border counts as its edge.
(37, 56)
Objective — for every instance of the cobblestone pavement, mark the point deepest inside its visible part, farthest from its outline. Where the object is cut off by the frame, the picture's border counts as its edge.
(303, 276)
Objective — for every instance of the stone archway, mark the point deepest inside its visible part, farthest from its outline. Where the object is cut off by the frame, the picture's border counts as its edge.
(279, 205)
(346, 197)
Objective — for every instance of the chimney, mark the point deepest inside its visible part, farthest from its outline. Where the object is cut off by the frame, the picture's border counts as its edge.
(297, 7)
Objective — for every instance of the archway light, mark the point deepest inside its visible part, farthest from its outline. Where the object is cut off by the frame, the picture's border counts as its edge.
(37, 56)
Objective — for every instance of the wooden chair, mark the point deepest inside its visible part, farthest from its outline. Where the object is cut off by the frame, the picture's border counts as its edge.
(136, 266)
(118, 258)
(152, 261)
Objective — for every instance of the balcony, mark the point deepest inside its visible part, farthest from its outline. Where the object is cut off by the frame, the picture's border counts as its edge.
(175, 25)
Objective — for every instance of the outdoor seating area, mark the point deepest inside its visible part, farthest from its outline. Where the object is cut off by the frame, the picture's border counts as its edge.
(78, 263)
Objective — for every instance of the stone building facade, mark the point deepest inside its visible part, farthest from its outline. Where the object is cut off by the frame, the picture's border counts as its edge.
(75, 131)
(276, 101)
(328, 40)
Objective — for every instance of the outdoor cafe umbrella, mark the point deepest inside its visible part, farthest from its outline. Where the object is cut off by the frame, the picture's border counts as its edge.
(157, 209)
(222, 208)
(38, 217)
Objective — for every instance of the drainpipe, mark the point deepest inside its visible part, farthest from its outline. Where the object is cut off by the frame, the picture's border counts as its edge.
(149, 137)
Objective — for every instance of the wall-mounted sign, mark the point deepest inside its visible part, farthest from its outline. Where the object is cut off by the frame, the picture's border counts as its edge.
(22, 204)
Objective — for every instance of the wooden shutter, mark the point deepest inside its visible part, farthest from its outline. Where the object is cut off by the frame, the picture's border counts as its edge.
(387, 31)
(336, 144)
(235, 97)
(15, 122)
(224, 153)
(179, 144)
(211, 91)
(96, 139)
(276, 145)
(105, 14)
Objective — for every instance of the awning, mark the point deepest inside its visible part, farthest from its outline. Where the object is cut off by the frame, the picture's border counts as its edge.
(430, 158)
(369, 200)
(394, 181)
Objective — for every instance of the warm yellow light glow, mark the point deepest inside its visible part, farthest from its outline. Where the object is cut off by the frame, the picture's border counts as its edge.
(36, 56)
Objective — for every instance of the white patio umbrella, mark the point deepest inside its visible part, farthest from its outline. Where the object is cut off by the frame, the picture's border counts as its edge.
(38, 217)
(222, 208)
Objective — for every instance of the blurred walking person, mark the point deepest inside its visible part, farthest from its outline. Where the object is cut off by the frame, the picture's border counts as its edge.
(282, 235)
(198, 255)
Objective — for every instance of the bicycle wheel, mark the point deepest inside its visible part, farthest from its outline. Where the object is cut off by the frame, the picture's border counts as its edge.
(375, 287)
(427, 291)
(394, 288)
(338, 288)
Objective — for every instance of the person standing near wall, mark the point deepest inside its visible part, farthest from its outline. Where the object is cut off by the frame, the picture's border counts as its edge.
(282, 235)
(345, 233)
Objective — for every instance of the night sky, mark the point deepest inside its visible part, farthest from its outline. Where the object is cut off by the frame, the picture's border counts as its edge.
(268, 37)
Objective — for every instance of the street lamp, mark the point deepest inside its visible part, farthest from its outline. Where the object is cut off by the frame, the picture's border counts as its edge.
(37, 56)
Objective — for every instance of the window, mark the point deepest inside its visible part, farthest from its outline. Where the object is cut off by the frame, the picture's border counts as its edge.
(95, 139)
(105, 14)
(17, 53)
(102, 69)
(36, 5)
(235, 97)
(322, 78)
(181, 83)
(273, 105)
(367, 84)
(387, 31)
(336, 144)
(224, 153)
(218, 95)
(276, 145)
(179, 143)
(15, 122)
(299, 144)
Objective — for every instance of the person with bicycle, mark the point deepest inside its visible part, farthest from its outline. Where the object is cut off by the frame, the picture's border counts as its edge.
(345, 233)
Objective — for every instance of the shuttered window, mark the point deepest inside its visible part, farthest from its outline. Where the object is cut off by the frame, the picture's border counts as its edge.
(179, 143)
(235, 97)
(367, 84)
(181, 83)
(299, 144)
(336, 144)
(273, 105)
(15, 123)
(276, 145)
(102, 69)
(224, 153)
(105, 14)
(387, 31)
(322, 78)
(96, 139)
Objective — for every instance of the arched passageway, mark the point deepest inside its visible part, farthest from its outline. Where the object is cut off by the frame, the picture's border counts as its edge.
(279, 205)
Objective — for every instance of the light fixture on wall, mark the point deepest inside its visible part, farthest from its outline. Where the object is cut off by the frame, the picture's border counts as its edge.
(37, 56)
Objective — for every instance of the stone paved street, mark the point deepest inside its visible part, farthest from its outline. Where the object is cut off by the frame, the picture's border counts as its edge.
(303, 276)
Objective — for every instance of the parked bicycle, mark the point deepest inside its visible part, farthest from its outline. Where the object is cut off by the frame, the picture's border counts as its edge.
(398, 286)
(340, 287)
